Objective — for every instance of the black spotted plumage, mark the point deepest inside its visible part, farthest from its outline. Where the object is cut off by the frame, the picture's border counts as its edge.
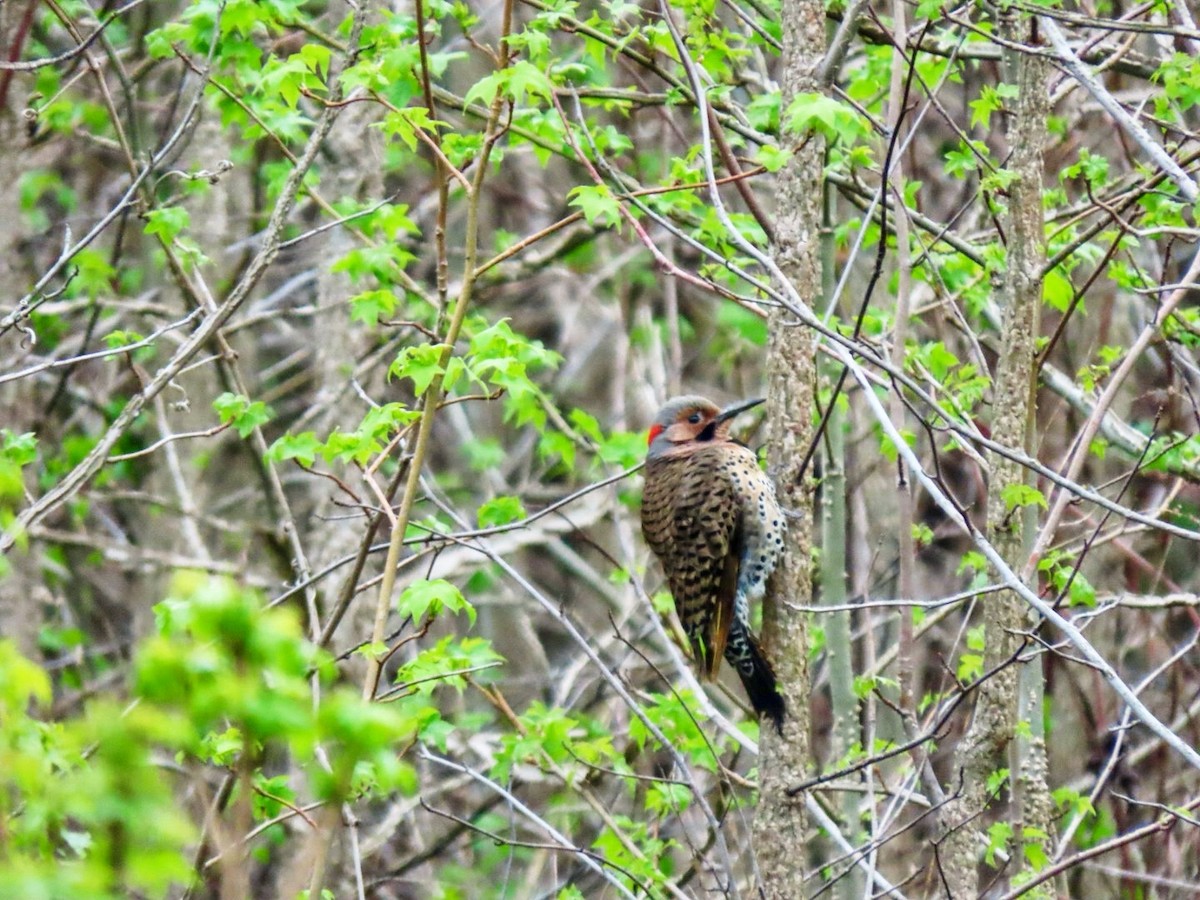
(710, 516)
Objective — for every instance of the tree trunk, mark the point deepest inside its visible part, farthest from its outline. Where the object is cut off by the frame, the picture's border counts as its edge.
(989, 743)
(779, 825)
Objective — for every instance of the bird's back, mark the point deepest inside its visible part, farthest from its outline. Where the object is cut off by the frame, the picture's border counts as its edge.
(659, 495)
(691, 516)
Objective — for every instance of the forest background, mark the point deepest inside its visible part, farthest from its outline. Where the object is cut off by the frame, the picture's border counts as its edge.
(329, 333)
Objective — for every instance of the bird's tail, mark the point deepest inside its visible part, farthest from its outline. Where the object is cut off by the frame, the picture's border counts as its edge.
(758, 678)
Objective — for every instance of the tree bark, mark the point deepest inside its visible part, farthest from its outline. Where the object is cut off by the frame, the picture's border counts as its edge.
(780, 821)
(989, 743)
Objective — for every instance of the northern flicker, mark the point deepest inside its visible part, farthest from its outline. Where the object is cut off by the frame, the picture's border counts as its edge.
(709, 514)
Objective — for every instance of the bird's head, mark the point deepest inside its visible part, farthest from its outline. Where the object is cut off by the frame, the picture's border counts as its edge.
(685, 421)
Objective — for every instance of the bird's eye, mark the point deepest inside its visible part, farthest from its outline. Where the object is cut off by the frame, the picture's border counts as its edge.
(694, 418)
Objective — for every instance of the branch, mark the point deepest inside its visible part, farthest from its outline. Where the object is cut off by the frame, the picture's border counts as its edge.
(1067, 58)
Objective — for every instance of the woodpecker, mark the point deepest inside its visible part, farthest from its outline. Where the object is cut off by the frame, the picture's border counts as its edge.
(709, 514)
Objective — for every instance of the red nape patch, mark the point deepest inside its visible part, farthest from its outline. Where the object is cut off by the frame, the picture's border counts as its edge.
(655, 431)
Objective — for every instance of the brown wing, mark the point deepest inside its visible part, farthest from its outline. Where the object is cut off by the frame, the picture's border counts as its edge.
(706, 549)
(659, 493)
(718, 628)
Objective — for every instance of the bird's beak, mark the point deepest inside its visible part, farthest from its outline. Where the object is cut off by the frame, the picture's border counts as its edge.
(730, 412)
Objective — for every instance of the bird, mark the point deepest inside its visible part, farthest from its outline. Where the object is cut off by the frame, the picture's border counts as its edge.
(710, 515)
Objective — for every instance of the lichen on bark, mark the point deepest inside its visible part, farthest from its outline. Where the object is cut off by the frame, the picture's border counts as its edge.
(990, 742)
(780, 820)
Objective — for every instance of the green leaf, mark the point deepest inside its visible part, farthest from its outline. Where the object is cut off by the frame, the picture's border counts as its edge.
(998, 837)
(1015, 495)
(240, 412)
(597, 204)
(19, 449)
(422, 364)
(830, 118)
(500, 511)
(287, 79)
(373, 650)
(316, 57)
(998, 180)
(429, 597)
(21, 682)
(961, 161)
(864, 685)
(586, 424)
(772, 158)
(667, 798)
(1034, 847)
(1057, 290)
(370, 306)
(991, 99)
(970, 667)
(938, 359)
(763, 110)
(1093, 168)
(1070, 799)
(95, 274)
(118, 339)
(623, 448)
(518, 81)
(446, 663)
(1081, 592)
(167, 222)
(922, 534)
(888, 448)
(526, 79)
(556, 445)
(977, 638)
(302, 447)
(1180, 77)
(996, 781)
(222, 748)
(405, 123)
